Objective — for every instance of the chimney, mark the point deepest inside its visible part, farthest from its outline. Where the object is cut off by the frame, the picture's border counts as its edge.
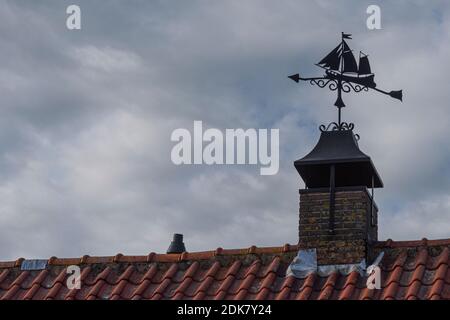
(338, 216)
(177, 244)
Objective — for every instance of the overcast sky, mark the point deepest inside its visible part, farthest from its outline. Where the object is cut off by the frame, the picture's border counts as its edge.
(86, 119)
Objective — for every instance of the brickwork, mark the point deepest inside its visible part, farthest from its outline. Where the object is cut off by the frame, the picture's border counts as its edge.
(354, 228)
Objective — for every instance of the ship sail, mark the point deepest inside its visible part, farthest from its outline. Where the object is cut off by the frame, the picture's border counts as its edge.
(364, 66)
(332, 60)
(349, 59)
(340, 59)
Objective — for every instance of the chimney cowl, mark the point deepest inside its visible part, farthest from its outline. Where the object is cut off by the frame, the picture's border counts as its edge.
(339, 149)
(177, 244)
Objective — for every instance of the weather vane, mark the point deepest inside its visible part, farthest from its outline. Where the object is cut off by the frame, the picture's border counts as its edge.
(342, 74)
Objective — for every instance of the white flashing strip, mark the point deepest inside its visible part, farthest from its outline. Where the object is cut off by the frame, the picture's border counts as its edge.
(342, 268)
(35, 264)
(305, 263)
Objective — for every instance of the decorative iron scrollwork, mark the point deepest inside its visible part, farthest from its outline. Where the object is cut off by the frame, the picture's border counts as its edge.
(334, 126)
(322, 83)
(333, 85)
(348, 86)
(343, 126)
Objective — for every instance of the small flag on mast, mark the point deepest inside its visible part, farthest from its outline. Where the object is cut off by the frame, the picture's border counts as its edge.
(346, 36)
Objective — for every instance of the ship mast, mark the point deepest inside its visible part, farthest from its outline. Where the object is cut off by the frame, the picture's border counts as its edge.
(339, 102)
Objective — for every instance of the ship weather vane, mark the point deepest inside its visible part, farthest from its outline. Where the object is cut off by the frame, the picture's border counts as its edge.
(343, 74)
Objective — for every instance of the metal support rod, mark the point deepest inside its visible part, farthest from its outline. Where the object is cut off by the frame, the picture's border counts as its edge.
(339, 118)
(332, 199)
(339, 99)
(339, 102)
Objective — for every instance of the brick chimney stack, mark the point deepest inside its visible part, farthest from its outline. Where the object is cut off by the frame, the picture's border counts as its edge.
(355, 224)
(338, 216)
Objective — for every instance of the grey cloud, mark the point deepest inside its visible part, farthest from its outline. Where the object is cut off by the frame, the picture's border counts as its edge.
(87, 117)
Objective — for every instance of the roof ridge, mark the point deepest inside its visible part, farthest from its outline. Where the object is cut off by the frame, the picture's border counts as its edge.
(158, 257)
(389, 243)
(206, 255)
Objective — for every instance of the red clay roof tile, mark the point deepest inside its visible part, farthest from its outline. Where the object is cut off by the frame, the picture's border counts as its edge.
(410, 270)
(285, 288)
(328, 287)
(307, 287)
(349, 286)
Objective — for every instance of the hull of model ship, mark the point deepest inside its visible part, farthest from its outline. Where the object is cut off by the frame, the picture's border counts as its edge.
(364, 80)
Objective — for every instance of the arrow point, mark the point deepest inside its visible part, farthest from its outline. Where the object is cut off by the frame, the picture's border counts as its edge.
(295, 77)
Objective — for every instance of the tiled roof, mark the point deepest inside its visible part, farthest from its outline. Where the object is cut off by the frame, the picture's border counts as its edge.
(410, 270)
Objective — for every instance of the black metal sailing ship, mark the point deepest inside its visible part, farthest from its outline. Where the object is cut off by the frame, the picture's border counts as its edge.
(343, 74)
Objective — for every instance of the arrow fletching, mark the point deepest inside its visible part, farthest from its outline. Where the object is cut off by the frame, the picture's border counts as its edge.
(397, 94)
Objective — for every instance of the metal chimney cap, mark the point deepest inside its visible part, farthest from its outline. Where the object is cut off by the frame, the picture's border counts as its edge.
(339, 148)
(177, 244)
